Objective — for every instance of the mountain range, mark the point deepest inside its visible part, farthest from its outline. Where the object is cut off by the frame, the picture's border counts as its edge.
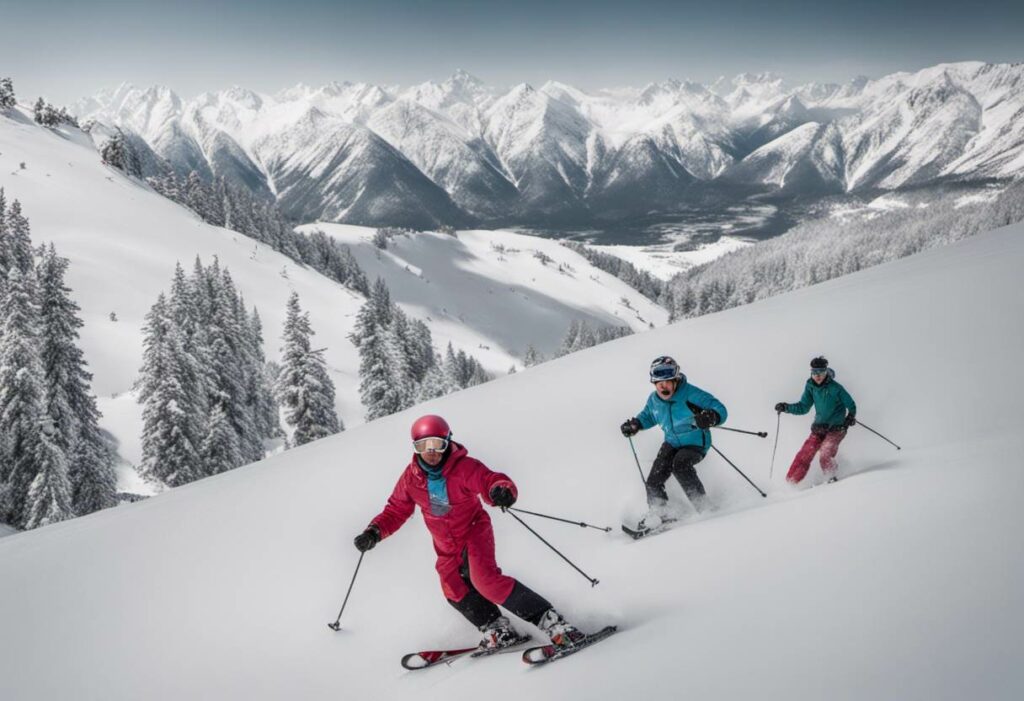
(461, 152)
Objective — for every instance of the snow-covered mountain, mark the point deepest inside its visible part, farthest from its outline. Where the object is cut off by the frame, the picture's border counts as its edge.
(902, 580)
(123, 240)
(462, 150)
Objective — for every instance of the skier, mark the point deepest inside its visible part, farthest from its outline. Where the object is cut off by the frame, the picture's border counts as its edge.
(685, 413)
(447, 485)
(834, 412)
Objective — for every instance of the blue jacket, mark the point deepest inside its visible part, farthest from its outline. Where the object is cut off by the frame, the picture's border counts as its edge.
(830, 400)
(675, 415)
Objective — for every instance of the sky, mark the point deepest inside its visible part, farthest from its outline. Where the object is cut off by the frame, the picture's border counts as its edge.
(66, 49)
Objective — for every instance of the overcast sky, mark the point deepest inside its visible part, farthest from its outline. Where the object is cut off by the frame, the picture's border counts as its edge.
(64, 49)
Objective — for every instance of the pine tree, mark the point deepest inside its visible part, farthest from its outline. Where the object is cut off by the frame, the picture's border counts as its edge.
(7, 98)
(220, 448)
(261, 388)
(304, 387)
(39, 111)
(436, 383)
(49, 495)
(170, 434)
(22, 399)
(531, 357)
(69, 404)
(19, 243)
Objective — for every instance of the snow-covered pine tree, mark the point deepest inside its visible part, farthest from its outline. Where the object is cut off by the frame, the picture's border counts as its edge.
(170, 437)
(436, 383)
(196, 196)
(22, 398)
(531, 357)
(402, 389)
(303, 386)
(224, 335)
(39, 111)
(70, 405)
(49, 497)
(7, 97)
(261, 387)
(220, 450)
(19, 242)
(119, 153)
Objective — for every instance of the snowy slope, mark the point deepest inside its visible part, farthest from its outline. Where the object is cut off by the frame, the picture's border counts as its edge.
(490, 292)
(901, 581)
(123, 241)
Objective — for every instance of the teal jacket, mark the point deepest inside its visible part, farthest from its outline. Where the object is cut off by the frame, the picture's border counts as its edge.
(830, 400)
(675, 415)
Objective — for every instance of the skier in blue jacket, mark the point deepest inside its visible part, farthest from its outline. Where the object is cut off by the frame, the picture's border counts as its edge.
(685, 413)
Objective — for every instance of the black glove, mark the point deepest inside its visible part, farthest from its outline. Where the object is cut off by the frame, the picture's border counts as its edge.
(367, 539)
(502, 496)
(850, 420)
(707, 418)
(781, 407)
(631, 428)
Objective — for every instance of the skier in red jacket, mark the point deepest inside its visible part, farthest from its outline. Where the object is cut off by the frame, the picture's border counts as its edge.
(447, 485)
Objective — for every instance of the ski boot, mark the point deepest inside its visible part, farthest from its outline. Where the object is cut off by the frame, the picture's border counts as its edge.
(562, 634)
(499, 634)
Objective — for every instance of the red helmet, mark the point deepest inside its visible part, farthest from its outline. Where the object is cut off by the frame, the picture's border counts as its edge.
(430, 426)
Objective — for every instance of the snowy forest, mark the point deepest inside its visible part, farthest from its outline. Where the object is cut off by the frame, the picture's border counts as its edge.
(207, 396)
(398, 365)
(55, 461)
(821, 249)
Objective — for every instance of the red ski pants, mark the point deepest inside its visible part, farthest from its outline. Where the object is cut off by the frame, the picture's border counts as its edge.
(484, 572)
(827, 443)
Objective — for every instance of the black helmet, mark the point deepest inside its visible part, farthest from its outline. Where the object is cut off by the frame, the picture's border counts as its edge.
(819, 363)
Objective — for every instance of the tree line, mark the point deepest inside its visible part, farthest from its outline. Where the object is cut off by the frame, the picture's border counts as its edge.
(55, 461)
(398, 366)
(821, 249)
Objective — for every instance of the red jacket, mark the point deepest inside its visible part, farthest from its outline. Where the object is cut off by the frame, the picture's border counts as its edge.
(467, 479)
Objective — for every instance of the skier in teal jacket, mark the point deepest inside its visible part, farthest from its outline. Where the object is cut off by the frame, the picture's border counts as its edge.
(685, 413)
(834, 412)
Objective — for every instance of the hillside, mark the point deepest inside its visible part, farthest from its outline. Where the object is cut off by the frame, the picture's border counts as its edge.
(901, 581)
(123, 241)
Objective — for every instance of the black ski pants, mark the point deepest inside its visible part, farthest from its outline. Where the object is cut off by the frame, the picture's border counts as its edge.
(679, 462)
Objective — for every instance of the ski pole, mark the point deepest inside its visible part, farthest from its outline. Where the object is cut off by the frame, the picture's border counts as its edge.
(778, 424)
(336, 626)
(640, 469)
(593, 582)
(739, 471)
(563, 520)
(759, 434)
(861, 423)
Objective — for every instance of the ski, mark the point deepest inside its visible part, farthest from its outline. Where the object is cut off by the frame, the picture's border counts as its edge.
(429, 658)
(549, 653)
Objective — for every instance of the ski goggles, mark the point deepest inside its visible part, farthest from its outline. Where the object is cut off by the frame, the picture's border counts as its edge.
(818, 372)
(660, 373)
(430, 445)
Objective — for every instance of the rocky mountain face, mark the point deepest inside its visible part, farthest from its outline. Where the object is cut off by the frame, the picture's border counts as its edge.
(460, 151)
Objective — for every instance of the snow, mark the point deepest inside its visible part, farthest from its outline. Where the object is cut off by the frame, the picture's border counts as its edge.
(903, 580)
(501, 155)
(124, 239)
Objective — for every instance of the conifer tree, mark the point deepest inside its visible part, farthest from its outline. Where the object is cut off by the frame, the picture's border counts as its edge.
(49, 495)
(70, 406)
(22, 398)
(171, 434)
(7, 98)
(304, 387)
